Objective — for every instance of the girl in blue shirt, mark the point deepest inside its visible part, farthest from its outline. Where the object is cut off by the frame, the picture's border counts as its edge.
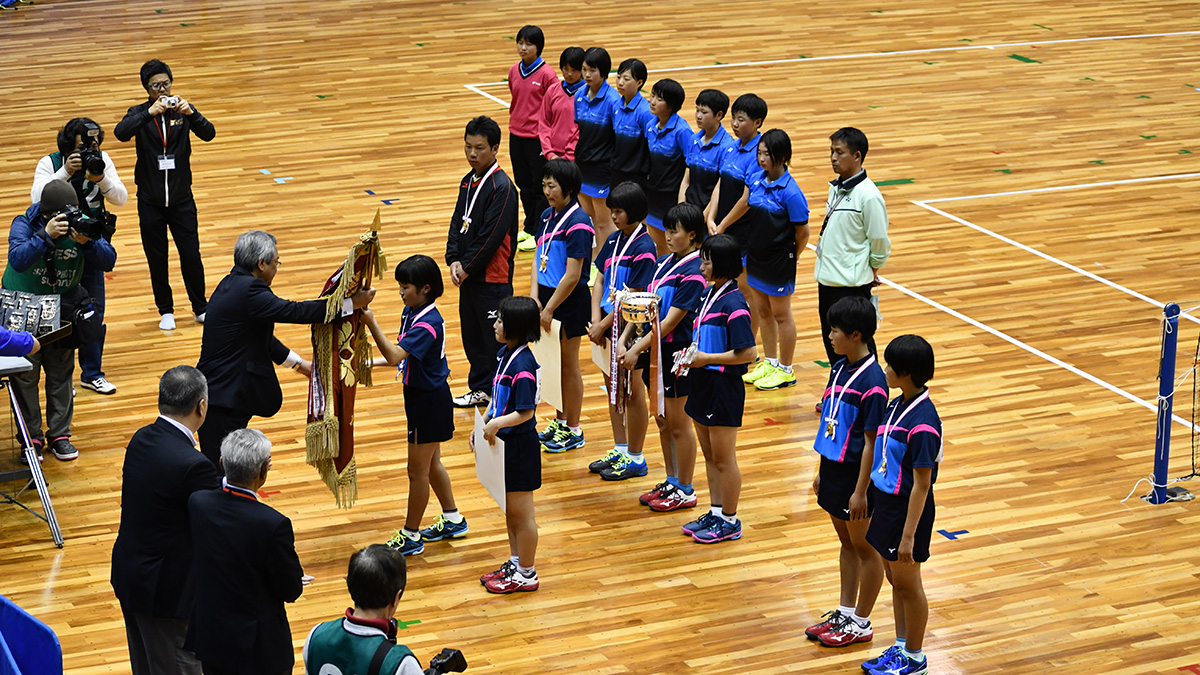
(668, 138)
(595, 105)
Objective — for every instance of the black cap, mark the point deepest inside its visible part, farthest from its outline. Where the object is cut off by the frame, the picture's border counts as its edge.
(57, 194)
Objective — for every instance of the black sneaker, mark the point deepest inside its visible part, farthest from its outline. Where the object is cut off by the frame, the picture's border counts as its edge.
(63, 449)
(605, 462)
(37, 452)
(471, 399)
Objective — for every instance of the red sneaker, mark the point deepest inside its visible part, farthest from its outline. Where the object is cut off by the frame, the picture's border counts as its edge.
(672, 499)
(513, 582)
(846, 632)
(504, 570)
(831, 619)
(653, 494)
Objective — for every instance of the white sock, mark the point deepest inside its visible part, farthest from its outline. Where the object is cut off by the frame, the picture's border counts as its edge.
(411, 534)
(526, 572)
(575, 429)
(731, 518)
(453, 516)
(515, 560)
(773, 362)
(715, 510)
(862, 621)
(622, 449)
(845, 611)
(786, 369)
(901, 642)
(637, 458)
(915, 656)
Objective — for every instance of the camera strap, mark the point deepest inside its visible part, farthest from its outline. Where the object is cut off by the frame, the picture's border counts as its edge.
(380, 654)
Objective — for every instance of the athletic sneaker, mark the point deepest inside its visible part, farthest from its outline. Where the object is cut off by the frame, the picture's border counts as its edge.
(62, 449)
(513, 582)
(625, 468)
(702, 523)
(471, 399)
(673, 499)
(444, 529)
(564, 440)
(778, 378)
(406, 546)
(507, 568)
(592, 274)
(719, 531)
(526, 242)
(882, 660)
(650, 496)
(605, 462)
(100, 386)
(830, 619)
(166, 322)
(551, 429)
(759, 371)
(846, 632)
(903, 665)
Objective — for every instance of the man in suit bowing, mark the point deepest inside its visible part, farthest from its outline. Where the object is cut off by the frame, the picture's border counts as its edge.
(239, 345)
(152, 557)
(246, 568)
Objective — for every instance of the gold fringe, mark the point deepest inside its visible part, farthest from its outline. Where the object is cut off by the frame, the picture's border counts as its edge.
(344, 486)
(321, 440)
(361, 361)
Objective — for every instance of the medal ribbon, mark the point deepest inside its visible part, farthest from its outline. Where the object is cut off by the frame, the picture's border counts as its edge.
(544, 254)
(471, 200)
(887, 426)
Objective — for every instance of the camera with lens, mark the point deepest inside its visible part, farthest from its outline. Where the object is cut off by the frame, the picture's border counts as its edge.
(449, 661)
(78, 221)
(93, 161)
(170, 101)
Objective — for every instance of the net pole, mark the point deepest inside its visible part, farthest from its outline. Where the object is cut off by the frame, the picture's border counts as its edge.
(1166, 399)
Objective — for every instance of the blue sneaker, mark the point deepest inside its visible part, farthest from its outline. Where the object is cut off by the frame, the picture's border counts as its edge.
(881, 660)
(625, 468)
(563, 440)
(901, 664)
(406, 546)
(720, 530)
(551, 429)
(444, 529)
(702, 523)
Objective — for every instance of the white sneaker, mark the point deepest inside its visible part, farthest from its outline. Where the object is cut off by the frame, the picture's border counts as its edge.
(200, 317)
(100, 386)
(471, 399)
(167, 322)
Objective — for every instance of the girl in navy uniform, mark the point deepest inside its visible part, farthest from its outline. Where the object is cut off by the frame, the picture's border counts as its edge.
(779, 213)
(595, 105)
(564, 250)
(420, 354)
(724, 344)
(626, 261)
(678, 284)
(515, 394)
(908, 451)
(668, 137)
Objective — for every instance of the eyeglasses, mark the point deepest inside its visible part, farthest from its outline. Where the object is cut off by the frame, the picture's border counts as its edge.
(160, 86)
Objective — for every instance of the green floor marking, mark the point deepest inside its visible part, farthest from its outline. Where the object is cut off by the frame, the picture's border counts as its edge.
(1185, 152)
(160, 11)
(823, 364)
(898, 181)
(930, 63)
(965, 40)
(1188, 85)
(185, 24)
(1022, 59)
(803, 56)
(1087, 79)
(324, 95)
(1003, 170)
(421, 44)
(719, 63)
(1096, 161)
(877, 11)
(1149, 137)
(1143, 96)
(406, 624)
(873, 107)
(1041, 26)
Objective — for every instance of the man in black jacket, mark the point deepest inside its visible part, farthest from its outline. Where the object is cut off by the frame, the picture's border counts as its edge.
(479, 251)
(164, 180)
(246, 568)
(152, 557)
(239, 344)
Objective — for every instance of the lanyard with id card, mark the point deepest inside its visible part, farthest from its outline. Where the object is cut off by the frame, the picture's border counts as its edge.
(166, 162)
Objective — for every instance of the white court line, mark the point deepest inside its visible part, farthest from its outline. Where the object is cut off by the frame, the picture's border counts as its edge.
(957, 48)
(1045, 256)
(1032, 350)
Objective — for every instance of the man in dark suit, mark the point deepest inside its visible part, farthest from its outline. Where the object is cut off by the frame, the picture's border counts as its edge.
(239, 345)
(152, 557)
(246, 568)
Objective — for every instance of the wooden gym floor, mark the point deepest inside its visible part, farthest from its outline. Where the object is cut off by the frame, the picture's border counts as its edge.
(1040, 367)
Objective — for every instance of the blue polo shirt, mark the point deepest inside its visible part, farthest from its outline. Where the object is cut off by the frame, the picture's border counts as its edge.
(668, 153)
(573, 240)
(631, 268)
(424, 339)
(595, 119)
(912, 440)
(678, 286)
(704, 165)
(856, 402)
(631, 157)
(738, 166)
(777, 208)
(515, 387)
(725, 327)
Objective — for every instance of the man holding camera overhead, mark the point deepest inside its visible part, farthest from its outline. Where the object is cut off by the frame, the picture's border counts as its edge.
(89, 170)
(164, 178)
(47, 247)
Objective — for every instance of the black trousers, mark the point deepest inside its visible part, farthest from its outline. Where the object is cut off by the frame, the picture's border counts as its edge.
(217, 425)
(156, 645)
(826, 297)
(478, 303)
(213, 669)
(528, 163)
(180, 218)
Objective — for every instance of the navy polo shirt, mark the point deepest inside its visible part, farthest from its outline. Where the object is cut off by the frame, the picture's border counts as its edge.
(704, 165)
(739, 164)
(913, 440)
(514, 388)
(857, 401)
(633, 269)
(668, 153)
(595, 119)
(630, 154)
(725, 327)
(424, 339)
(678, 287)
(573, 240)
(776, 209)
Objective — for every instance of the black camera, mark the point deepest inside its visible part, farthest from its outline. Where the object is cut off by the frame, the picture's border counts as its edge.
(93, 161)
(80, 222)
(449, 661)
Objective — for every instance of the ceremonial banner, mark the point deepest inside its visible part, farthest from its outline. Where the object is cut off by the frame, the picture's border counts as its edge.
(341, 359)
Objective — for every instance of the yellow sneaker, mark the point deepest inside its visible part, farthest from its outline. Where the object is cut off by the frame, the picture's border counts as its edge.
(592, 276)
(777, 379)
(526, 242)
(757, 372)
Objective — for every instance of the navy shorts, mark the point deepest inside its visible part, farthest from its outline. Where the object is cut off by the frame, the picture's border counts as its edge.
(522, 461)
(430, 415)
(838, 480)
(887, 525)
(716, 399)
(659, 202)
(575, 312)
(673, 387)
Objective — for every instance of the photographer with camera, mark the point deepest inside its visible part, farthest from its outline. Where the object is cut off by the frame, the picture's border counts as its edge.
(364, 640)
(90, 170)
(47, 247)
(164, 179)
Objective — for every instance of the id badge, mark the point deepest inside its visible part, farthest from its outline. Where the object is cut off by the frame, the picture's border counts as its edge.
(166, 162)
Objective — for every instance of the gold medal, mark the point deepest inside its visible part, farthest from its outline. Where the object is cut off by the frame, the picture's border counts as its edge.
(830, 425)
(465, 225)
(542, 267)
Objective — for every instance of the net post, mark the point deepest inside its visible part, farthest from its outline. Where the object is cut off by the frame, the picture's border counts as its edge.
(1166, 400)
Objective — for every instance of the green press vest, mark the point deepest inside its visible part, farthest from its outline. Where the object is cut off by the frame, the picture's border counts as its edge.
(350, 654)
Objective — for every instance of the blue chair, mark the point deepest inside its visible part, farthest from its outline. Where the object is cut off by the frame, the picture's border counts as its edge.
(27, 646)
